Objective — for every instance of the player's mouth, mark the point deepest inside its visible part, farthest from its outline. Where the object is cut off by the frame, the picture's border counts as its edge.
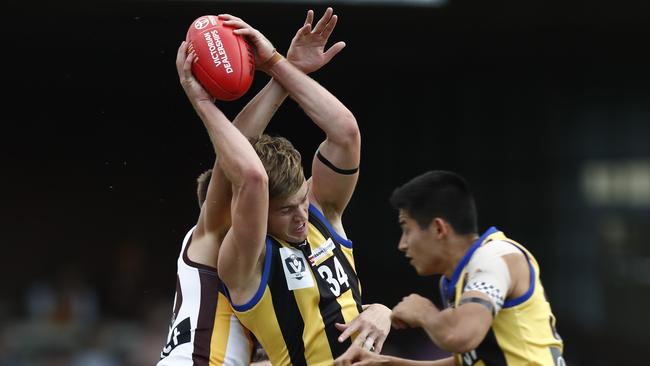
(301, 229)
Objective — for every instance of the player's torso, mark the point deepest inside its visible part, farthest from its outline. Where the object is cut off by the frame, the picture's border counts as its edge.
(523, 331)
(203, 329)
(307, 290)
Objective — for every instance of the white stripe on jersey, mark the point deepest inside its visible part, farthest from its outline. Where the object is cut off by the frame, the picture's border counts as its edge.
(238, 343)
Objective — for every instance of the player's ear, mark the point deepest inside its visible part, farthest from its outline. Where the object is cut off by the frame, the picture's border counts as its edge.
(439, 227)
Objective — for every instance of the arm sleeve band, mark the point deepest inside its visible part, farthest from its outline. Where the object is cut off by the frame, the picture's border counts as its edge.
(480, 301)
(333, 167)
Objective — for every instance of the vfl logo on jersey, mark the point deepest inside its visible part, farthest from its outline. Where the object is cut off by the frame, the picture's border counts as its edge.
(177, 336)
(295, 269)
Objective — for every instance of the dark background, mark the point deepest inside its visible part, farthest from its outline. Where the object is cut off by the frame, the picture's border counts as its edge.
(543, 106)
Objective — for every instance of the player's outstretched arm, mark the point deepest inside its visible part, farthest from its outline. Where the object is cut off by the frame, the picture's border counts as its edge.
(455, 329)
(341, 149)
(243, 244)
(306, 52)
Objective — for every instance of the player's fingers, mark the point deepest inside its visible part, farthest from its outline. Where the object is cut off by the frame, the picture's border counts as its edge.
(361, 338)
(228, 17)
(351, 329)
(304, 30)
(334, 50)
(362, 363)
(322, 22)
(245, 32)
(379, 344)
(186, 71)
(369, 344)
(181, 55)
(191, 58)
(329, 27)
(310, 17)
(397, 323)
(237, 23)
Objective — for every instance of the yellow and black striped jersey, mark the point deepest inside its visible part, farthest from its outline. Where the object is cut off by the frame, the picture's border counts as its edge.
(304, 291)
(523, 331)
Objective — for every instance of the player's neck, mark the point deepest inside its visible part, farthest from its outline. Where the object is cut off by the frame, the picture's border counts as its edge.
(458, 246)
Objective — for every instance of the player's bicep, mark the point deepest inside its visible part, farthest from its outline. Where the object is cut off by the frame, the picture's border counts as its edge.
(244, 242)
(335, 171)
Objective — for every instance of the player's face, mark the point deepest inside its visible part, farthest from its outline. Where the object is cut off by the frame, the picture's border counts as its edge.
(419, 245)
(288, 216)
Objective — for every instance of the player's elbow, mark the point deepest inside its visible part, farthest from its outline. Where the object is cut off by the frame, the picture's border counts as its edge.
(254, 177)
(348, 134)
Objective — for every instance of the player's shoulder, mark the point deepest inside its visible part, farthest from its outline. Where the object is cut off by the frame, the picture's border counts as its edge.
(496, 248)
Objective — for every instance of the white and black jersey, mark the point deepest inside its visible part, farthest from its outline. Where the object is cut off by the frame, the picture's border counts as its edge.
(203, 330)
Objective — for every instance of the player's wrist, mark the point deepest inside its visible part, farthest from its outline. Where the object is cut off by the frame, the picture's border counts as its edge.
(275, 58)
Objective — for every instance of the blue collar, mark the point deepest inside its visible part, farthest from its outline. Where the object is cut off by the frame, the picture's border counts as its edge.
(448, 286)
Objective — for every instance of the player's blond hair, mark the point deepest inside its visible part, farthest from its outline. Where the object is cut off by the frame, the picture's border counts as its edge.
(282, 163)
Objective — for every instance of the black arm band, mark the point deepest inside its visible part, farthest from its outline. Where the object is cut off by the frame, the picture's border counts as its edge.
(480, 301)
(334, 168)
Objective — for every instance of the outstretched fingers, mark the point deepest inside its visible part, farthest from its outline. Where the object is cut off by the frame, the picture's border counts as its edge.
(310, 17)
(305, 30)
(329, 27)
(334, 50)
(322, 22)
(348, 330)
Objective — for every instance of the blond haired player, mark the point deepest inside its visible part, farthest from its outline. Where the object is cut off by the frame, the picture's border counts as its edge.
(203, 330)
(294, 287)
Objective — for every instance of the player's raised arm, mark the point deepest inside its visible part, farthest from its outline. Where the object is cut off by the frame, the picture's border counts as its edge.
(243, 244)
(307, 52)
(334, 171)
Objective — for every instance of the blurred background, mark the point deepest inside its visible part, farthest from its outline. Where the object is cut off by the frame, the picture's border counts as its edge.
(544, 106)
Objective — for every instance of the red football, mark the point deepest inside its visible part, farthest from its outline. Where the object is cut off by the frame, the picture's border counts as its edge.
(226, 63)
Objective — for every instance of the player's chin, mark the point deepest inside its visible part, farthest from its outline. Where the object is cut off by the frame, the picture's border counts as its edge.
(298, 238)
(298, 235)
(423, 270)
(418, 269)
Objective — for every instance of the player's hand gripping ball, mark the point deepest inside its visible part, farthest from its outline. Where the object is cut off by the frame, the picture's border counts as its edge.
(226, 63)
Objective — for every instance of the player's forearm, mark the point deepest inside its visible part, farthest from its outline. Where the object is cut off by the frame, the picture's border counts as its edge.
(236, 155)
(318, 103)
(450, 330)
(256, 115)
